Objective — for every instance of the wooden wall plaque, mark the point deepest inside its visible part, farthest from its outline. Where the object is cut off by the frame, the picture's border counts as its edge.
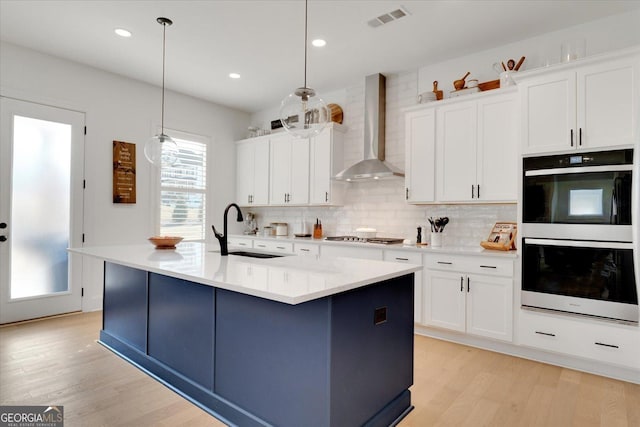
(124, 172)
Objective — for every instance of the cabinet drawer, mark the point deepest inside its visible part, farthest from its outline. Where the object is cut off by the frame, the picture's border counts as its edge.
(352, 252)
(240, 242)
(617, 344)
(444, 262)
(608, 343)
(545, 332)
(402, 256)
(306, 249)
(273, 246)
(490, 266)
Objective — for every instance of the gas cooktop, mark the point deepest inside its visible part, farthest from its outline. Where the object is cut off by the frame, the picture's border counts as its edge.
(379, 240)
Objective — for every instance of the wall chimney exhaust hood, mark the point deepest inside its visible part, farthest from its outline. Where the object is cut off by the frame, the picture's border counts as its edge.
(373, 166)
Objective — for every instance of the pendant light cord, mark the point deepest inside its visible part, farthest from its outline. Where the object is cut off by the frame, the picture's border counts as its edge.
(164, 33)
(306, 15)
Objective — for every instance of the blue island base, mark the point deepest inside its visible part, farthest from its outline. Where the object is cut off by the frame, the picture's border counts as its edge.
(343, 360)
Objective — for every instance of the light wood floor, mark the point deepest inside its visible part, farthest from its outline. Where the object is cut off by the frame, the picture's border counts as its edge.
(57, 361)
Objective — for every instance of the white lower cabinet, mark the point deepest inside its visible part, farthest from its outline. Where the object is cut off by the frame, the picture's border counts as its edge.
(352, 252)
(273, 246)
(240, 242)
(469, 294)
(410, 258)
(306, 248)
(604, 342)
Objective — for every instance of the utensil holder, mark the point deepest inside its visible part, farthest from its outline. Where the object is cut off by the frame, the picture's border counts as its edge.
(436, 240)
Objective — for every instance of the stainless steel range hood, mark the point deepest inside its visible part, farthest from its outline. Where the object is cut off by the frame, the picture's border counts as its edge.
(372, 167)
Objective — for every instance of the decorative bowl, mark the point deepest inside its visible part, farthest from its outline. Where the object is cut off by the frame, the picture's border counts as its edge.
(165, 242)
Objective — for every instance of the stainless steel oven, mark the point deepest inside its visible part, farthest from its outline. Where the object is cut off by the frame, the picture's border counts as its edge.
(586, 194)
(587, 277)
(578, 240)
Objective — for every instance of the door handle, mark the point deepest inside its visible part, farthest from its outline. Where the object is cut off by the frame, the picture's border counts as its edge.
(572, 137)
(468, 285)
(580, 136)
(461, 284)
(3, 225)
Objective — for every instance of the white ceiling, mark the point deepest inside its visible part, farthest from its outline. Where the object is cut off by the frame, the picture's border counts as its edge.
(264, 40)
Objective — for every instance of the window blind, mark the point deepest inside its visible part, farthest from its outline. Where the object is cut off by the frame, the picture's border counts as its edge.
(183, 188)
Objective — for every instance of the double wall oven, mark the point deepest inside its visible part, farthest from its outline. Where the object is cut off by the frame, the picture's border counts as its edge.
(578, 219)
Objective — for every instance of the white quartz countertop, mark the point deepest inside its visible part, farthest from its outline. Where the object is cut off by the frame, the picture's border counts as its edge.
(288, 279)
(428, 249)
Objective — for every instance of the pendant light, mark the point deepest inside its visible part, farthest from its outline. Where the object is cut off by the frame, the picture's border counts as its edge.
(161, 149)
(303, 113)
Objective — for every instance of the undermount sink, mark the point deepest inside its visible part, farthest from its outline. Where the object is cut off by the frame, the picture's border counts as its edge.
(254, 254)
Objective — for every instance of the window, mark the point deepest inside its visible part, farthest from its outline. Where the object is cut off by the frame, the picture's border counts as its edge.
(183, 189)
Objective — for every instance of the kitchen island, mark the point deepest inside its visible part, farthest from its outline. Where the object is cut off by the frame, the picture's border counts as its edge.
(288, 341)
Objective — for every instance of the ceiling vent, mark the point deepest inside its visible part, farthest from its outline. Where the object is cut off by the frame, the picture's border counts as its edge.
(388, 17)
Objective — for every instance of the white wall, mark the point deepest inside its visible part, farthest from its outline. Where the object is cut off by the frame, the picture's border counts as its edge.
(381, 204)
(118, 108)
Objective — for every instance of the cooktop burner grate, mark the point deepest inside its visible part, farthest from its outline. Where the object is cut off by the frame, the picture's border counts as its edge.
(379, 240)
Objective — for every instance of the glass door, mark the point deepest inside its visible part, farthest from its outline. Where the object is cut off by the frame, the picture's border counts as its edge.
(41, 186)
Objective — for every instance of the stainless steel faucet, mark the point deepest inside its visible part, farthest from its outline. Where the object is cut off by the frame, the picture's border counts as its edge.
(222, 238)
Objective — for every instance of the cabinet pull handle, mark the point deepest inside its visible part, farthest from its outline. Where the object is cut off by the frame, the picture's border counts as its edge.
(478, 191)
(461, 284)
(406, 193)
(279, 247)
(572, 137)
(473, 192)
(468, 285)
(304, 250)
(445, 262)
(326, 196)
(262, 246)
(606, 345)
(580, 136)
(488, 266)
(402, 259)
(545, 333)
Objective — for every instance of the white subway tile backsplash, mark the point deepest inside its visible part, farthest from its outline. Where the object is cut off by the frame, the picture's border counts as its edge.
(381, 204)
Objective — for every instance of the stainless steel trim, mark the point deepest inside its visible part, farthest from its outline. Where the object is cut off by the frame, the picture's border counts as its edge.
(582, 306)
(579, 243)
(585, 169)
(594, 232)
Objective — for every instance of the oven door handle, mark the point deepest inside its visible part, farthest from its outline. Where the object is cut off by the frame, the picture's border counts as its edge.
(579, 243)
(582, 169)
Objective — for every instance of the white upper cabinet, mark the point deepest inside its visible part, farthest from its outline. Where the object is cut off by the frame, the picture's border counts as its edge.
(477, 149)
(497, 151)
(587, 107)
(326, 161)
(289, 171)
(252, 157)
(420, 149)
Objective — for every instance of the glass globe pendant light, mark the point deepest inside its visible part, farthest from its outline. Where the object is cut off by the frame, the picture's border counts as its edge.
(161, 149)
(303, 113)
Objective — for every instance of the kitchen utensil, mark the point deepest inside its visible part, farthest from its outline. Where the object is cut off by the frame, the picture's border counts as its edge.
(511, 64)
(433, 227)
(436, 240)
(519, 64)
(335, 113)
(165, 242)
(472, 83)
(491, 84)
(317, 229)
(504, 67)
(506, 79)
(436, 91)
(459, 84)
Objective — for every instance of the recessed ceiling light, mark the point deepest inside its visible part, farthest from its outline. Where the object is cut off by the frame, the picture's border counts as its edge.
(319, 43)
(122, 32)
(234, 75)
